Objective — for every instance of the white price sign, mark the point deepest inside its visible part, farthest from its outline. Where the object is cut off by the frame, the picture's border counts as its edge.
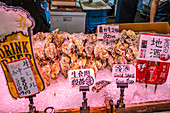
(81, 77)
(107, 31)
(124, 73)
(23, 77)
(154, 47)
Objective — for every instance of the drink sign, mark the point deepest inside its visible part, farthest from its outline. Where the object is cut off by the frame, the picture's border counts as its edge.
(107, 31)
(16, 33)
(81, 77)
(124, 73)
(154, 47)
(153, 58)
(23, 78)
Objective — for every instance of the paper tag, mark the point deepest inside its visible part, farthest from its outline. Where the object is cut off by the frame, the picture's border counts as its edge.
(107, 31)
(124, 73)
(23, 77)
(154, 47)
(81, 77)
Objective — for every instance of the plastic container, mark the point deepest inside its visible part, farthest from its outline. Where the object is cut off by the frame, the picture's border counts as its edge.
(95, 17)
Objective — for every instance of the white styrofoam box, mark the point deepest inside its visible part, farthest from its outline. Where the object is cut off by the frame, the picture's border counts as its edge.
(71, 22)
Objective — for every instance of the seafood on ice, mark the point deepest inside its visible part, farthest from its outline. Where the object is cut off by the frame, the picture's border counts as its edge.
(58, 52)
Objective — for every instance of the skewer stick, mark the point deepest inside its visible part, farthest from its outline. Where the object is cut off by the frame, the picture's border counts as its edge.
(158, 64)
(155, 88)
(146, 85)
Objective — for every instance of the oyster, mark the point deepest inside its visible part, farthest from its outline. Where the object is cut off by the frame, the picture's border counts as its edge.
(99, 85)
(39, 52)
(55, 70)
(55, 31)
(51, 51)
(91, 65)
(74, 66)
(68, 47)
(82, 62)
(99, 64)
(58, 39)
(103, 54)
(131, 34)
(48, 39)
(89, 48)
(65, 65)
(45, 71)
(80, 47)
(97, 50)
(121, 60)
(74, 58)
(111, 62)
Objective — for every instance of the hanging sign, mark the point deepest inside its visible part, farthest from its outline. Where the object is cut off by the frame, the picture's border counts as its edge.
(23, 77)
(153, 59)
(107, 31)
(81, 77)
(15, 42)
(124, 73)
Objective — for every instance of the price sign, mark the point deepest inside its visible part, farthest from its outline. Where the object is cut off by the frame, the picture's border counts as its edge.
(81, 77)
(153, 59)
(124, 73)
(23, 77)
(107, 31)
(154, 47)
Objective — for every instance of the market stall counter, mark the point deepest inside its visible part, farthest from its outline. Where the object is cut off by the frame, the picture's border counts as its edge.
(74, 72)
(153, 106)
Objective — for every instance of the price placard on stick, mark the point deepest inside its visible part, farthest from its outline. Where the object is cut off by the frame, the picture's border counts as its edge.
(107, 31)
(153, 59)
(81, 77)
(23, 77)
(124, 73)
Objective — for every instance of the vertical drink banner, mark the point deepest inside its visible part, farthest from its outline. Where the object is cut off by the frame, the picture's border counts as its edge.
(153, 59)
(15, 42)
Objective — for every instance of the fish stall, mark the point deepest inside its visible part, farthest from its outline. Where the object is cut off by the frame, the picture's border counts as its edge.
(120, 68)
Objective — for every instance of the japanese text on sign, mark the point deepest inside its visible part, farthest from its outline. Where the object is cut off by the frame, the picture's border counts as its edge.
(107, 31)
(81, 77)
(124, 73)
(153, 58)
(152, 46)
(23, 78)
(16, 42)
